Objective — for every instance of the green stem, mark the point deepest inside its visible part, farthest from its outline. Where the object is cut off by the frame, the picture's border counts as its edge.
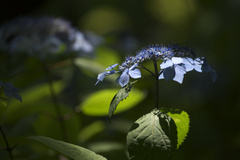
(156, 83)
(148, 70)
(8, 148)
(55, 103)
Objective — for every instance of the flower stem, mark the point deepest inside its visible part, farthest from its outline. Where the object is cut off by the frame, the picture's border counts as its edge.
(55, 103)
(156, 83)
(8, 148)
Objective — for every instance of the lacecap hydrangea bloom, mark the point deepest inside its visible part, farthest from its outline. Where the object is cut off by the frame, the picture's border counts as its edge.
(176, 62)
(42, 36)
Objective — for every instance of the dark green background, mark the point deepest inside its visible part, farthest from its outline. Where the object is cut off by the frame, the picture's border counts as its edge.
(212, 28)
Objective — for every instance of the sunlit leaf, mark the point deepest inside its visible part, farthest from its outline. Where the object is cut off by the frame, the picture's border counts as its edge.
(73, 151)
(120, 96)
(104, 58)
(182, 121)
(105, 146)
(97, 104)
(152, 137)
(34, 98)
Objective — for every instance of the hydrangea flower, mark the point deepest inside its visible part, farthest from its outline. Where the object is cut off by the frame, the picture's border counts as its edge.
(133, 72)
(10, 90)
(110, 70)
(42, 36)
(173, 69)
(191, 64)
(177, 61)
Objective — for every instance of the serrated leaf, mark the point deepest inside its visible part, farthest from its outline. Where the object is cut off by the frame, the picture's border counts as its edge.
(73, 151)
(120, 96)
(152, 137)
(182, 121)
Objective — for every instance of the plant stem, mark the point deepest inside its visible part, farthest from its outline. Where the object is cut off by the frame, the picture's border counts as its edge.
(8, 148)
(55, 103)
(156, 83)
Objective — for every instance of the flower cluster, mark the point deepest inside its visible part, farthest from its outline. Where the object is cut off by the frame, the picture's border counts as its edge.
(10, 90)
(42, 36)
(177, 61)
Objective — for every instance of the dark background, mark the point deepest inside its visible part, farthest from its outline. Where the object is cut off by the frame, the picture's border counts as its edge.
(212, 28)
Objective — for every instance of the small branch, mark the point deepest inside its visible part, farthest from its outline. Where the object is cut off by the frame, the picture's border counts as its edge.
(55, 103)
(148, 70)
(8, 148)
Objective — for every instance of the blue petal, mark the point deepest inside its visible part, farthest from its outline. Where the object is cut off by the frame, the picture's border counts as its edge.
(198, 67)
(177, 60)
(161, 76)
(189, 67)
(166, 64)
(206, 67)
(101, 76)
(112, 66)
(188, 63)
(213, 74)
(18, 97)
(135, 73)
(133, 67)
(169, 73)
(124, 78)
(180, 69)
(110, 72)
(179, 78)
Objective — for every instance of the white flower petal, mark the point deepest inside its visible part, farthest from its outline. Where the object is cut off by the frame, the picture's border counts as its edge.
(198, 60)
(135, 73)
(177, 60)
(124, 78)
(161, 76)
(189, 67)
(187, 61)
(198, 68)
(166, 64)
(178, 78)
(133, 67)
(180, 69)
(101, 76)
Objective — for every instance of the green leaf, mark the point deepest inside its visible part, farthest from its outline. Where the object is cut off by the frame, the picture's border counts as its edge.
(152, 137)
(104, 58)
(73, 151)
(120, 96)
(97, 104)
(34, 98)
(182, 121)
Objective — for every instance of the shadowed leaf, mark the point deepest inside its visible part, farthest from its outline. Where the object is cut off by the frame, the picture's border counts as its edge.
(152, 137)
(73, 151)
(120, 96)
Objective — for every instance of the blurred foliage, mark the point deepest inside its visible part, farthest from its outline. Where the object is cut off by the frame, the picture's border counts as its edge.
(211, 27)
